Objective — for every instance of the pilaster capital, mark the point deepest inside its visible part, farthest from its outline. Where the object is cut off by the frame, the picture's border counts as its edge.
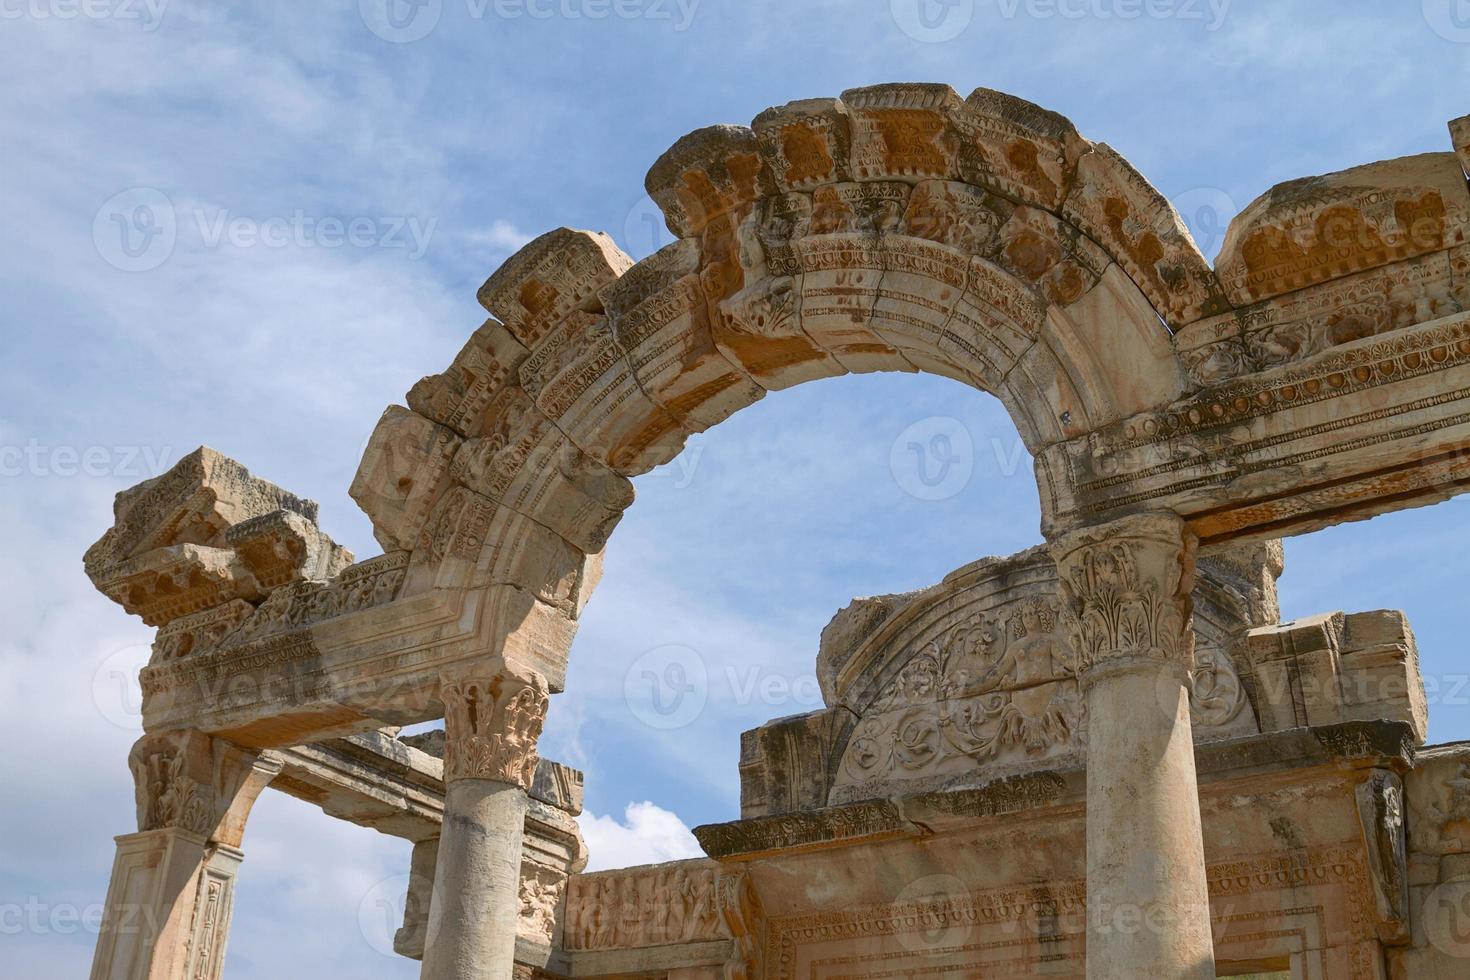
(187, 780)
(492, 720)
(1126, 588)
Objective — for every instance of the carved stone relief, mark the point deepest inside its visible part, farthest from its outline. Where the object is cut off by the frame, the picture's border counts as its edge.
(640, 907)
(491, 726)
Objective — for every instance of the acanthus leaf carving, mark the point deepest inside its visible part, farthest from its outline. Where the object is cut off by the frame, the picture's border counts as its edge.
(1126, 591)
(491, 726)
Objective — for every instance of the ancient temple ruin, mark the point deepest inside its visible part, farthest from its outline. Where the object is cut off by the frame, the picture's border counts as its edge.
(1104, 757)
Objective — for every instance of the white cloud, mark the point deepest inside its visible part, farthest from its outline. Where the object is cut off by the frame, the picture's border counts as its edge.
(502, 236)
(647, 834)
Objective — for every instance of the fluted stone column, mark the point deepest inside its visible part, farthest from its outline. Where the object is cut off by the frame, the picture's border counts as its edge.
(491, 724)
(1126, 588)
(167, 915)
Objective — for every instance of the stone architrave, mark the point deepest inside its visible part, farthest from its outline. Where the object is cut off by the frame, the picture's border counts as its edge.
(1126, 598)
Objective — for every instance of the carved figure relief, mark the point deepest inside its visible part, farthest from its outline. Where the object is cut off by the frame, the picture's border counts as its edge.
(642, 907)
(539, 901)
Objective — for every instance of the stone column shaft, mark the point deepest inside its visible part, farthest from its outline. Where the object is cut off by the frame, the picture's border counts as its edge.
(1127, 589)
(491, 725)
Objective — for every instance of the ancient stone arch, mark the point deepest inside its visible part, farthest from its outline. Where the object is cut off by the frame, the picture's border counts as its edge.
(1318, 372)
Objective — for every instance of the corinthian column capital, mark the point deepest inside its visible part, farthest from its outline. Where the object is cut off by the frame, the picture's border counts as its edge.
(187, 780)
(1126, 588)
(491, 723)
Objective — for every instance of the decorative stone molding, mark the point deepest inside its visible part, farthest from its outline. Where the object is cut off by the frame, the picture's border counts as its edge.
(190, 781)
(1126, 591)
(491, 725)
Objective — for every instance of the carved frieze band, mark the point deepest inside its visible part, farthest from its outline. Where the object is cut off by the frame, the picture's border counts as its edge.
(491, 725)
(1126, 591)
(674, 904)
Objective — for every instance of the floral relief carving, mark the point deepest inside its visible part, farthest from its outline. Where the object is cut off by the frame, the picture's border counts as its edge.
(997, 686)
(1126, 592)
(491, 726)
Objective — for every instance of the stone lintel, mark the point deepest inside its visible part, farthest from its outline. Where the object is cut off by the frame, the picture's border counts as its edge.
(1353, 745)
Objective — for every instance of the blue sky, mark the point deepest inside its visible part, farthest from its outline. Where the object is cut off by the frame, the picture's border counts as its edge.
(335, 198)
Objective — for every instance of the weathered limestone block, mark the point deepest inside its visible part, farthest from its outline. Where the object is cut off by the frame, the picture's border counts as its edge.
(1113, 204)
(1460, 134)
(1310, 230)
(662, 905)
(169, 553)
(784, 765)
(1018, 148)
(709, 174)
(459, 397)
(581, 379)
(661, 318)
(549, 279)
(518, 457)
(805, 144)
(472, 542)
(1130, 365)
(283, 547)
(1328, 669)
(902, 131)
(403, 473)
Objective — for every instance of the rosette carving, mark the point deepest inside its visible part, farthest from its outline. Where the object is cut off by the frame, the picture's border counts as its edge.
(491, 725)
